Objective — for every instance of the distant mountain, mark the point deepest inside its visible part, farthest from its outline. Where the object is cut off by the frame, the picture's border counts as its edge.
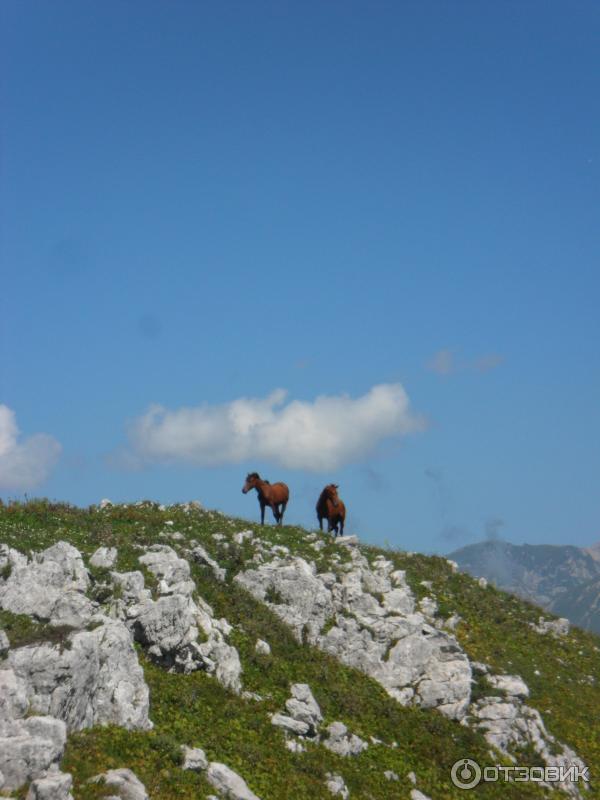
(561, 578)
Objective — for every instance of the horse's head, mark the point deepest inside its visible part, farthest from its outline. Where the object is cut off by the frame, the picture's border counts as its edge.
(331, 493)
(252, 479)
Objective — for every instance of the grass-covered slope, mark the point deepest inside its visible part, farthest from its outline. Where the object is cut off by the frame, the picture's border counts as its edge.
(563, 674)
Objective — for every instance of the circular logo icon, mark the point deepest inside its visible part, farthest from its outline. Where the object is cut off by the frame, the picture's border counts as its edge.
(465, 773)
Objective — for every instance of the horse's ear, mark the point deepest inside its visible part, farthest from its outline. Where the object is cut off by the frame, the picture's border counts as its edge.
(337, 486)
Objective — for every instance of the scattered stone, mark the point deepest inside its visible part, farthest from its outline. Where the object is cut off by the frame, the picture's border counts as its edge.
(415, 794)
(483, 582)
(557, 627)
(303, 707)
(391, 775)
(228, 782)
(4, 644)
(342, 742)
(106, 503)
(124, 783)
(337, 786)
(452, 564)
(104, 557)
(261, 647)
(412, 778)
(194, 758)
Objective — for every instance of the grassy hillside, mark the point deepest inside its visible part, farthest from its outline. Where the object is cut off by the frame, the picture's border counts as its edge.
(563, 675)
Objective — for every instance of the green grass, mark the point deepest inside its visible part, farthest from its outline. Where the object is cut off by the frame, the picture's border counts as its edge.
(195, 710)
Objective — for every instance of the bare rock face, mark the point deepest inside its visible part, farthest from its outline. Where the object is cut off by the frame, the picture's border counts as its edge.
(95, 680)
(228, 783)
(508, 724)
(180, 633)
(30, 746)
(375, 629)
(50, 587)
(124, 784)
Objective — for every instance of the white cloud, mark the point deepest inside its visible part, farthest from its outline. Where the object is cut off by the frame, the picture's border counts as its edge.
(321, 435)
(27, 462)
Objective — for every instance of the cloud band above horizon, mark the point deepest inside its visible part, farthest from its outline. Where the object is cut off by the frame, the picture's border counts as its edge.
(321, 435)
(24, 463)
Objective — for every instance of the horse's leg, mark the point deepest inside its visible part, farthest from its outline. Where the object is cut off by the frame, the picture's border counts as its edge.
(320, 523)
(282, 512)
(262, 513)
(275, 511)
(341, 527)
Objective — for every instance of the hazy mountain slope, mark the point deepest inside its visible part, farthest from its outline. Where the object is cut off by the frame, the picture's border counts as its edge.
(561, 578)
(563, 674)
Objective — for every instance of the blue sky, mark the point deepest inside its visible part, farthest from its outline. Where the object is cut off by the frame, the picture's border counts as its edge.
(203, 202)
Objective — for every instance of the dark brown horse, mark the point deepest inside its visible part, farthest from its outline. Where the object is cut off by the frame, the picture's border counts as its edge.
(274, 495)
(331, 508)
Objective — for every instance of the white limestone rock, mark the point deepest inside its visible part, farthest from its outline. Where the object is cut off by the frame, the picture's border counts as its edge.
(4, 644)
(303, 707)
(508, 724)
(337, 786)
(556, 627)
(50, 587)
(169, 627)
(194, 758)
(342, 742)
(30, 745)
(202, 557)
(262, 648)
(512, 685)
(228, 782)
(104, 557)
(124, 783)
(56, 786)
(96, 680)
(375, 630)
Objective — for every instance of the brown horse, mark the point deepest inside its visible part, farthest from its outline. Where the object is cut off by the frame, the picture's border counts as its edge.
(331, 508)
(274, 495)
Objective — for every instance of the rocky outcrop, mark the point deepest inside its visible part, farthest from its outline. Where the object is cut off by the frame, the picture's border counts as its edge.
(365, 616)
(30, 746)
(51, 586)
(180, 633)
(509, 724)
(95, 679)
(123, 783)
